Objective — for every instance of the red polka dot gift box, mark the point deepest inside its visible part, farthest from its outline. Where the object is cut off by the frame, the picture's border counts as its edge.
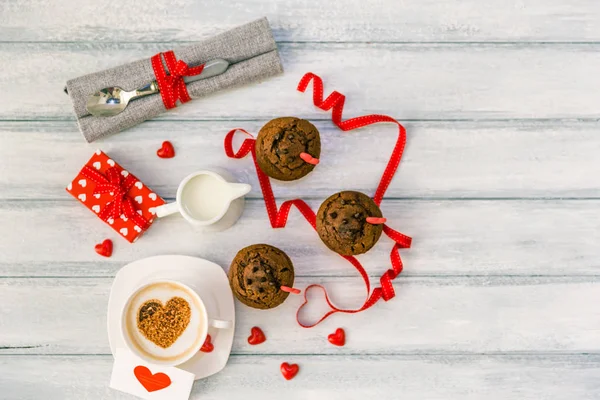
(116, 196)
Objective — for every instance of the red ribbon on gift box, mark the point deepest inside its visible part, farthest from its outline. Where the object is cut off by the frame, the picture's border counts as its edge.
(278, 218)
(170, 81)
(116, 186)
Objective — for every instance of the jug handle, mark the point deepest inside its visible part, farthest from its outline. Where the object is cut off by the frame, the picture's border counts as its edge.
(166, 209)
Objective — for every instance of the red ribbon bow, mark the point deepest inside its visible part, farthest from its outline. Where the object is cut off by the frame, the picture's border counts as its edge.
(117, 186)
(170, 80)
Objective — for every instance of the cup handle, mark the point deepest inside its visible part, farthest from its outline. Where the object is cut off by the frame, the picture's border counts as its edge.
(220, 324)
(166, 209)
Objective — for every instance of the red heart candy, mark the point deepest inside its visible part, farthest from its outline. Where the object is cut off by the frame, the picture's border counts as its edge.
(257, 336)
(289, 371)
(207, 347)
(338, 338)
(105, 248)
(166, 151)
(151, 382)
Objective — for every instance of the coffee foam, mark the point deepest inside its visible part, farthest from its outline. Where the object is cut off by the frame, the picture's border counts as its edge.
(186, 343)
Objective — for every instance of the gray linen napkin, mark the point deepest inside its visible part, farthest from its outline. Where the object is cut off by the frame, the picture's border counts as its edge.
(250, 49)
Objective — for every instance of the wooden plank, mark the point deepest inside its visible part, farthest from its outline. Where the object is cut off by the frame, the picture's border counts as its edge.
(442, 160)
(56, 238)
(424, 81)
(476, 315)
(530, 377)
(353, 20)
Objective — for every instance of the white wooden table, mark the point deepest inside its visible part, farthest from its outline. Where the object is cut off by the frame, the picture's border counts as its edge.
(499, 189)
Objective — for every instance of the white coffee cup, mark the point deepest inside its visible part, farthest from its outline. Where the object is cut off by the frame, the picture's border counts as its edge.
(205, 198)
(187, 344)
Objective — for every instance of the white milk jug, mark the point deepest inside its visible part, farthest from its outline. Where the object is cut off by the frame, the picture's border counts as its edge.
(205, 198)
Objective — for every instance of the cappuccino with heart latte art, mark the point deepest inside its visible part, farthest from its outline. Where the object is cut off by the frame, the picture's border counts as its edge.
(165, 322)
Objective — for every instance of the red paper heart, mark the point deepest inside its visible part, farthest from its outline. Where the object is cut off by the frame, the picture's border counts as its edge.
(289, 371)
(166, 151)
(338, 338)
(151, 382)
(257, 336)
(105, 248)
(207, 347)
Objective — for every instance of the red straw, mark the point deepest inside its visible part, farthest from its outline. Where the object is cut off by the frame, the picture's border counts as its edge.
(376, 221)
(290, 290)
(309, 159)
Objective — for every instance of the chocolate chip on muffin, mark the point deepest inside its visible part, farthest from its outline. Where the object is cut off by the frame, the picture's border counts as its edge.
(288, 148)
(257, 274)
(342, 223)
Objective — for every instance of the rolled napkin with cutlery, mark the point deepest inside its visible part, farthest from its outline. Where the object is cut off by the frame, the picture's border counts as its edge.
(236, 57)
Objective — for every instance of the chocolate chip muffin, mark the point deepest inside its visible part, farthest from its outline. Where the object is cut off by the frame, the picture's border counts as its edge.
(342, 225)
(257, 273)
(279, 146)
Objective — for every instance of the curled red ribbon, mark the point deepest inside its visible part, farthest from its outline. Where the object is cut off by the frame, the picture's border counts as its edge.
(335, 102)
(278, 218)
(116, 186)
(171, 84)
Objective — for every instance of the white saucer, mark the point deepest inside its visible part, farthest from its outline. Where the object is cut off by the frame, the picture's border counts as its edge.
(210, 282)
